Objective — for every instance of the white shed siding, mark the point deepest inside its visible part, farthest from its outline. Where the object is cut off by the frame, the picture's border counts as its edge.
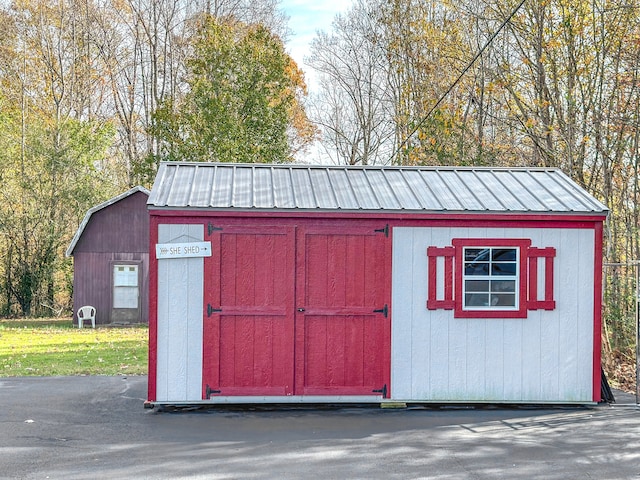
(179, 334)
(547, 356)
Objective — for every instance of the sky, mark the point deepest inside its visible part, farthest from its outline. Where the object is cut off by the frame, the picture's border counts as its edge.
(307, 17)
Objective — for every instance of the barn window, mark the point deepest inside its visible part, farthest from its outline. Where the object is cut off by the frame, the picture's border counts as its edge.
(490, 278)
(125, 286)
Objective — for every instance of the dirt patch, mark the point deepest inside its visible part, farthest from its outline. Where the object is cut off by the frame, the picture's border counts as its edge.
(620, 368)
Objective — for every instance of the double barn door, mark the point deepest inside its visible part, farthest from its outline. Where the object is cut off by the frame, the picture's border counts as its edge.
(297, 311)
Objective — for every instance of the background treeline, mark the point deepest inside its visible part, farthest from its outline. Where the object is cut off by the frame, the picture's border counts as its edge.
(93, 93)
(559, 86)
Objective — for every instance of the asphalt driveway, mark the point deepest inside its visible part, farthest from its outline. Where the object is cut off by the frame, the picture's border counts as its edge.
(96, 427)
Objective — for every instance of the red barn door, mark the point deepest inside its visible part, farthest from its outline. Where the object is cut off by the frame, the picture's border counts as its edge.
(342, 311)
(248, 318)
(303, 313)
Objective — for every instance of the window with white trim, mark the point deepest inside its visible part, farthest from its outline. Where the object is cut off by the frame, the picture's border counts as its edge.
(490, 278)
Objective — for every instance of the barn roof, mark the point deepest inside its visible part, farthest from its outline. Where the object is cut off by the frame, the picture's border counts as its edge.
(181, 185)
(93, 210)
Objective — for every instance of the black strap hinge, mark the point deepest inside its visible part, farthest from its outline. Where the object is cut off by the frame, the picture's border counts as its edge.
(210, 391)
(382, 391)
(212, 228)
(211, 310)
(384, 310)
(384, 230)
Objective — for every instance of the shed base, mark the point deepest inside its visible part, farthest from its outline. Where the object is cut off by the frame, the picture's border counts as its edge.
(359, 399)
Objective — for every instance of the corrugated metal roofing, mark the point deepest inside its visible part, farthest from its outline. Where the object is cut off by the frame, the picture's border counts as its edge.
(371, 188)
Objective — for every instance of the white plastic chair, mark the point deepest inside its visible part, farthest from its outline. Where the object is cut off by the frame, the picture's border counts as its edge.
(86, 313)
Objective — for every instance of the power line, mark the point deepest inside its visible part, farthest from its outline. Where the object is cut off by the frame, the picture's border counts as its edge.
(453, 85)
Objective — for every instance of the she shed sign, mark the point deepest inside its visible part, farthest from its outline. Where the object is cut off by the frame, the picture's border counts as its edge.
(183, 250)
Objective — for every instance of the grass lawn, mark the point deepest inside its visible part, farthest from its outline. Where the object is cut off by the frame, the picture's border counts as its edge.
(50, 347)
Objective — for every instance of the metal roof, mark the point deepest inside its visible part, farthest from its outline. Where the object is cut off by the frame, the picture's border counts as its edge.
(223, 186)
(96, 208)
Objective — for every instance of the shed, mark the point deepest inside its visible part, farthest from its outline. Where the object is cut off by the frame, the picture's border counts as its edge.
(306, 283)
(111, 259)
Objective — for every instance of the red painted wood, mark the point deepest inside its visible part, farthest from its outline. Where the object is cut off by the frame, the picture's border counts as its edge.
(248, 346)
(549, 302)
(533, 220)
(447, 302)
(534, 303)
(211, 334)
(342, 346)
(120, 227)
(153, 313)
(115, 234)
(597, 313)
(528, 278)
(93, 280)
(522, 244)
(287, 219)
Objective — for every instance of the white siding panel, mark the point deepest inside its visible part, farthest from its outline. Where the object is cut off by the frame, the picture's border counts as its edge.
(576, 336)
(568, 277)
(533, 331)
(494, 360)
(476, 346)
(437, 369)
(180, 307)
(163, 335)
(546, 357)
(403, 302)
(512, 361)
(422, 347)
(177, 343)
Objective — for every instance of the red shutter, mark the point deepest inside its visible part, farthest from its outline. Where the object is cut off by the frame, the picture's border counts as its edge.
(448, 302)
(534, 254)
(529, 285)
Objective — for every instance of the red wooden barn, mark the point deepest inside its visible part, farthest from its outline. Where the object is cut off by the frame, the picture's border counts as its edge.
(292, 283)
(111, 259)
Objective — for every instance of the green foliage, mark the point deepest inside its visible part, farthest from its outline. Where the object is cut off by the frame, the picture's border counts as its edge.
(241, 92)
(50, 179)
(78, 90)
(54, 347)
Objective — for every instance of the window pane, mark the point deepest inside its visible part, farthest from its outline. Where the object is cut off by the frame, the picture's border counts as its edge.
(503, 269)
(125, 297)
(491, 278)
(503, 254)
(499, 286)
(476, 299)
(125, 276)
(476, 254)
(503, 300)
(476, 269)
(476, 286)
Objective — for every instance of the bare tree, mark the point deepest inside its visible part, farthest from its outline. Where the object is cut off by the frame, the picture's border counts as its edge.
(353, 109)
(57, 135)
(144, 45)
